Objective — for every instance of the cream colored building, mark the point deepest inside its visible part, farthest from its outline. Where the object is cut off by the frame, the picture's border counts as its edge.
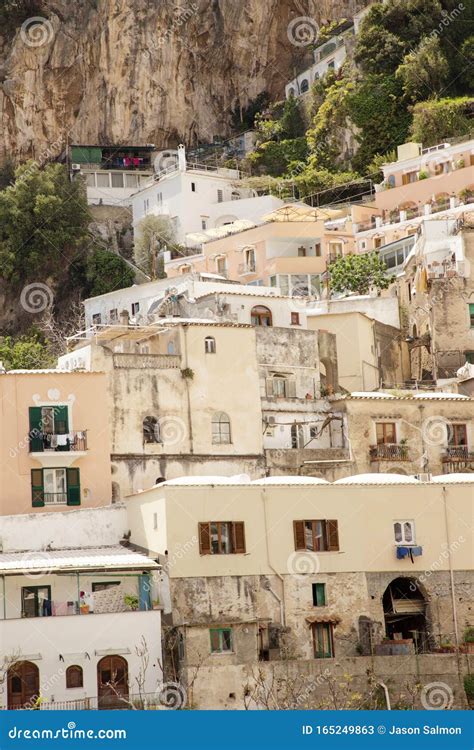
(410, 432)
(183, 397)
(369, 353)
(258, 573)
(54, 441)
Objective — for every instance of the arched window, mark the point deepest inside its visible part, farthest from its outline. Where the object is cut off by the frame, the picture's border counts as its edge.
(210, 345)
(220, 428)
(304, 86)
(74, 677)
(261, 316)
(151, 430)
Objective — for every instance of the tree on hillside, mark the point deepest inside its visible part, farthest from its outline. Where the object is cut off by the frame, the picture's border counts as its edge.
(155, 234)
(43, 223)
(24, 353)
(424, 71)
(105, 272)
(358, 274)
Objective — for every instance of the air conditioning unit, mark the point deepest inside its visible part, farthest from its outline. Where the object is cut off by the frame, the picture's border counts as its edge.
(424, 477)
(76, 167)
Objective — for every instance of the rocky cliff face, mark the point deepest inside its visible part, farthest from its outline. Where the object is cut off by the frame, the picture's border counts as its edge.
(144, 71)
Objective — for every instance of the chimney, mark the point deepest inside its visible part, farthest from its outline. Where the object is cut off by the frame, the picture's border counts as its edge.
(124, 318)
(181, 158)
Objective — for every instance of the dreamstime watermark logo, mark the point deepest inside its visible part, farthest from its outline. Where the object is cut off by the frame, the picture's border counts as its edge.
(36, 298)
(37, 31)
(39, 562)
(172, 430)
(172, 695)
(167, 160)
(448, 18)
(436, 430)
(437, 696)
(302, 31)
(181, 16)
(437, 564)
(301, 564)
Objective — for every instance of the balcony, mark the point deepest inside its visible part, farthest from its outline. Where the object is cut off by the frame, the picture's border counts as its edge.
(389, 452)
(52, 449)
(457, 458)
(147, 361)
(246, 268)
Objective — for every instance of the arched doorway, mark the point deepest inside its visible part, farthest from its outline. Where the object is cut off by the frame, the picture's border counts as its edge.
(112, 682)
(23, 685)
(261, 316)
(404, 609)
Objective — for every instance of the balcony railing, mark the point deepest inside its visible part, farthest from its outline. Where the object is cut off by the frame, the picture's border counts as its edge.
(389, 452)
(114, 700)
(55, 498)
(459, 453)
(42, 442)
(246, 268)
(147, 361)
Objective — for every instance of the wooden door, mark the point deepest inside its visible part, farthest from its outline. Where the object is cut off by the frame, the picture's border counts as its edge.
(23, 685)
(112, 683)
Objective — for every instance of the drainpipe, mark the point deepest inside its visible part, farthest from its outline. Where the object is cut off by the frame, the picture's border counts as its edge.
(387, 696)
(451, 573)
(188, 397)
(4, 598)
(281, 600)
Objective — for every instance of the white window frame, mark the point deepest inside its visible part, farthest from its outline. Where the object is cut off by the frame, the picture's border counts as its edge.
(403, 542)
(59, 475)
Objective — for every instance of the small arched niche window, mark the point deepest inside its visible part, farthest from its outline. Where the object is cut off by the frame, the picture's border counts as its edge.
(74, 677)
(261, 316)
(151, 430)
(220, 428)
(210, 345)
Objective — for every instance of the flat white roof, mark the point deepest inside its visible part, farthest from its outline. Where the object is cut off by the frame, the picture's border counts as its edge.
(117, 558)
(378, 479)
(285, 480)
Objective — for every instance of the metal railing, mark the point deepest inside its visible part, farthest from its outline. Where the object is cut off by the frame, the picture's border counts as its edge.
(46, 442)
(460, 452)
(389, 452)
(112, 701)
(55, 498)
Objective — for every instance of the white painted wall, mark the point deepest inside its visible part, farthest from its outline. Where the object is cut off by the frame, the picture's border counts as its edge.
(383, 309)
(78, 639)
(71, 529)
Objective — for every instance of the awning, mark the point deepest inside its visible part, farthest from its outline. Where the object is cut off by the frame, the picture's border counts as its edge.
(312, 619)
(96, 558)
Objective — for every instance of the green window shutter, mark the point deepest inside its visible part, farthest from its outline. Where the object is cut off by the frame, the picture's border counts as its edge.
(319, 594)
(61, 423)
(36, 442)
(37, 490)
(73, 487)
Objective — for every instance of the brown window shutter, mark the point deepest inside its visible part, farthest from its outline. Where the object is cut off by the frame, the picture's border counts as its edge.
(298, 527)
(333, 536)
(269, 386)
(204, 539)
(291, 389)
(239, 536)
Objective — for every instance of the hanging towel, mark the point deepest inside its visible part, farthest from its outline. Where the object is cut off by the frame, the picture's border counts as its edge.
(54, 441)
(402, 552)
(62, 439)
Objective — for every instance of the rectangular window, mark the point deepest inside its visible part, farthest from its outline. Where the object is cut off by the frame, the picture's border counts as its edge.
(131, 180)
(103, 179)
(220, 196)
(135, 308)
(103, 585)
(302, 252)
(319, 594)
(313, 433)
(97, 319)
(221, 538)
(113, 315)
(155, 521)
(471, 314)
(221, 640)
(317, 249)
(193, 187)
(36, 601)
(55, 487)
(323, 640)
(203, 224)
(316, 536)
(295, 319)
(385, 433)
(469, 357)
(457, 434)
(404, 532)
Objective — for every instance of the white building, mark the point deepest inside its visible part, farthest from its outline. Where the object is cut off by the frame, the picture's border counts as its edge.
(329, 55)
(197, 197)
(81, 613)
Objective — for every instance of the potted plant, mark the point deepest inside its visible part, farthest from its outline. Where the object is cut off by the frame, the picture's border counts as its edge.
(403, 448)
(131, 602)
(469, 640)
(155, 604)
